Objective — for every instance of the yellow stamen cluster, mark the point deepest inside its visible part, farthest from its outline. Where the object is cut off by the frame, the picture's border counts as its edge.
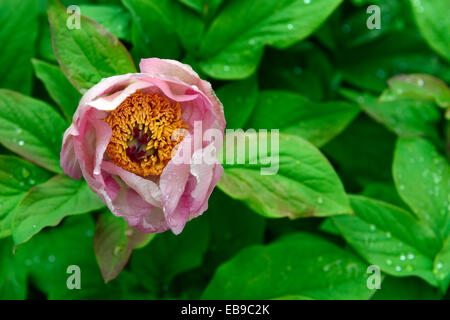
(143, 128)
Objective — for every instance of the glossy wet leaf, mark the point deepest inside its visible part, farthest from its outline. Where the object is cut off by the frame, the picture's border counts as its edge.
(17, 176)
(233, 50)
(58, 87)
(299, 264)
(316, 122)
(300, 182)
(47, 204)
(422, 178)
(390, 237)
(22, 120)
(86, 54)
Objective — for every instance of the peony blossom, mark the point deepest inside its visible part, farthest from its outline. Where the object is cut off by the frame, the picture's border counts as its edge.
(140, 142)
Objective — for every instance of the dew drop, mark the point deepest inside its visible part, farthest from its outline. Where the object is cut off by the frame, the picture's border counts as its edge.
(420, 83)
(410, 256)
(388, 262)
(398, 268)
(388, 235)
(319, 200)
(290, 26)
(372, 227)
(226, 68)
(51, 258)
(25, 173)
(307, 1)
(402, 257)
(21, 143)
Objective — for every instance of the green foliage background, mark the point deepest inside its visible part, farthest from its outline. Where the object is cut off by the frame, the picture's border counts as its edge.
(364, 176)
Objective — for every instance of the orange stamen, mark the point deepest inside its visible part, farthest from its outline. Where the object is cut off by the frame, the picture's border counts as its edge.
(143, 130)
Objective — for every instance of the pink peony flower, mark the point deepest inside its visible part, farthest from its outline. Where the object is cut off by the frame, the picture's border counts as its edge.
(125, 140)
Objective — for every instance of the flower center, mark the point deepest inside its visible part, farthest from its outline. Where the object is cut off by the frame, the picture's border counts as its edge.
(143, 136)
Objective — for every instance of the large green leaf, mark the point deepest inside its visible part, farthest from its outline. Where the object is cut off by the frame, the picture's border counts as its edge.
(300, 181)
(233, 45)
(299, 264)
(390, 237)
(292, 113)
(432, 19)
(405, 117)
(88, 54)
(239, 99)
(48, 203)
(58, 87)
(31, 128)
(114, 241)
(168, 255)
(422, 178)
(17, 176)
(18, 32)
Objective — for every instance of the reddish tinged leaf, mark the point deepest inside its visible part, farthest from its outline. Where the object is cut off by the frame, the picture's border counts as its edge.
(114, 241)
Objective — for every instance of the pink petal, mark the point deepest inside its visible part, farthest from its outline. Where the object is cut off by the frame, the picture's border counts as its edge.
(147, 189)
(153, 222)
(184, 73)
(69, 161)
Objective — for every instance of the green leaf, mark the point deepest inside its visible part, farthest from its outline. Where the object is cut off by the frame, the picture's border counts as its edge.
(31, 128)
(114, 241)
(48, 203)
(233, 45)
(88, 54)
(58, 87)
(418, 86)
(410, 288)
(49, 254)
(13, 282)
(432, 18)
(390, 237)
(168, 255)
(300, 264)
(161, 26)
(113, 18)
(422, 178)
(316, 122)
(17, 176)
(299, 183)
(239, 99)
(18, 33)
(395, 53)
(442, 265)
(405, 117)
